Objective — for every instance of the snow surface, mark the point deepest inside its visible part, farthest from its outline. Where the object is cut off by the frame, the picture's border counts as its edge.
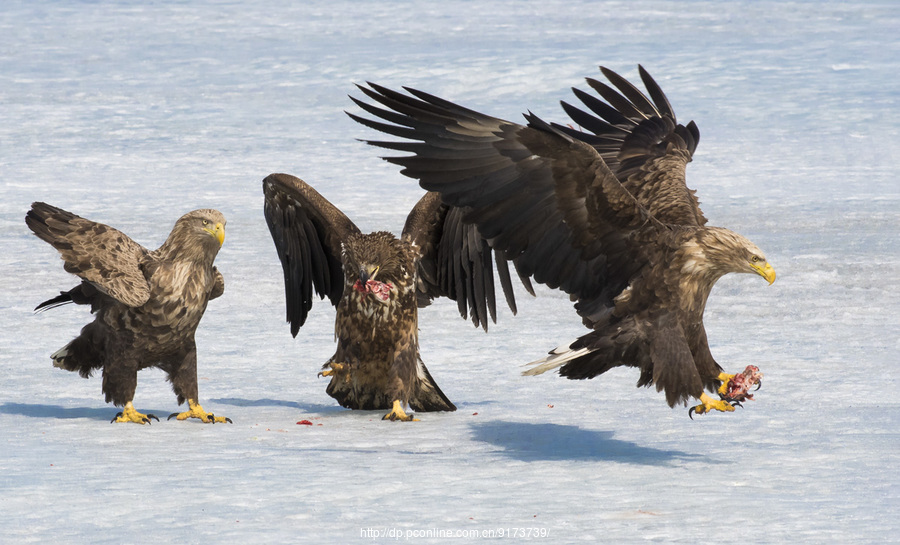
(132, 113)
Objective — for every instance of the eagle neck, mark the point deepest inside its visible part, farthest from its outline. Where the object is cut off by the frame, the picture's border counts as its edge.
(697, 275)
(182, 247)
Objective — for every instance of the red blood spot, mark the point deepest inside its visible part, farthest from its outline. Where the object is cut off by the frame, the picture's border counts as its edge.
(381, 290)
(305, 423)
(737, 389)
(474, 414)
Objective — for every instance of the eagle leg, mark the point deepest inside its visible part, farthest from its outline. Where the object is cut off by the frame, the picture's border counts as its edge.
(130, 414)
(725, 378)
(196, 411)
(708, 404)
(397, 413)
(336, 369)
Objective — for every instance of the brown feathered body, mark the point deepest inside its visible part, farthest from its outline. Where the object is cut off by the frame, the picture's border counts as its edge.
(379, 339)
(601, 212)
(377, 282)
(148, 304)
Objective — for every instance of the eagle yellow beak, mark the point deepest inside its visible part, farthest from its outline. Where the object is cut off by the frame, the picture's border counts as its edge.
(368, 273)
(218, 232)
(766, 271)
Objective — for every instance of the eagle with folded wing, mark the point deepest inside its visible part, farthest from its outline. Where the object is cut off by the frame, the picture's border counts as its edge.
(376, 283)
(602, 213)
(148, 304)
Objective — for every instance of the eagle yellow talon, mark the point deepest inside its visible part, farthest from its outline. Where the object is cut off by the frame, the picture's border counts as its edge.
(726, 380)
(130, 414)
(196, 411)
(337, 369)
(709, 404)
(397, 413)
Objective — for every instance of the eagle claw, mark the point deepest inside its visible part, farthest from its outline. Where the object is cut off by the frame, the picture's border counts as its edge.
(707, 404)
(335, 370)
(397, 413)
(129, 414)
(211, 419)
(734, 402)
(196, 411)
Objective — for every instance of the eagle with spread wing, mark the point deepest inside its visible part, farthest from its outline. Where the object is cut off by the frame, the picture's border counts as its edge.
(376, 283)
(148, 304)
(602, 213)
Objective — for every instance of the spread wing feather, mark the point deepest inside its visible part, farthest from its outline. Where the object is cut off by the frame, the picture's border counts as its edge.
(642, 142)
(307, 231)
(525, 187)
(98, 253)
(455, 261)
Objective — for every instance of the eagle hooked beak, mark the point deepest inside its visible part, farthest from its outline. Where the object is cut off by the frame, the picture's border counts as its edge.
(765, 270)
(217, 231)
(368, 273)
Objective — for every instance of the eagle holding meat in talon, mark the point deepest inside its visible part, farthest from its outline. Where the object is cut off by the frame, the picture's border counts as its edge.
(148, 304)
(601, 212)
(376, 283)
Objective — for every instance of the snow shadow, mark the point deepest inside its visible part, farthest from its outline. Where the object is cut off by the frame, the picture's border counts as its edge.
(40, 410)
(43, 410)
(535, 442)
(267, 402)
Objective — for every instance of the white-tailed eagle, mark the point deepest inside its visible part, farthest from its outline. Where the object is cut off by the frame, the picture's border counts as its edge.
(601, 211)
(147, 303)
(376, 283)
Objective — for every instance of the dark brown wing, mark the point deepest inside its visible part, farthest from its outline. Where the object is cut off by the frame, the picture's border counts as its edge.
(455, 261)
(525, 188)
(308, 232)
(84, 293)
(103, 256)
(641, 141)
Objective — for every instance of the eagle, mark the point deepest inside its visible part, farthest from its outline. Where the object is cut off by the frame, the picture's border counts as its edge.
(377, 282)
(148, 304)
(601, 211)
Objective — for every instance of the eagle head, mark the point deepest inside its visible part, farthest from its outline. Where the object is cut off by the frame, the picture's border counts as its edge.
(374, 264)
(725, 252)
(203, 231)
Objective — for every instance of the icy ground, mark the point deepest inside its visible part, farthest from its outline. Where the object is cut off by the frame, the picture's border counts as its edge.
(132, 113)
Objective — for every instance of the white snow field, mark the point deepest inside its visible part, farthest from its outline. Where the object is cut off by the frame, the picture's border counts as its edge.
(132, 113)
